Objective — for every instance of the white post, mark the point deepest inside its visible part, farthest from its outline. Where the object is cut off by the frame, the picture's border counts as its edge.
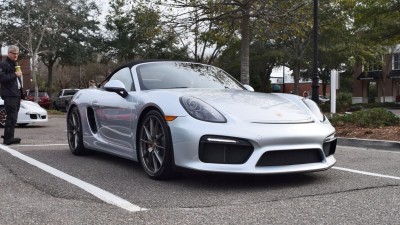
(334, 86)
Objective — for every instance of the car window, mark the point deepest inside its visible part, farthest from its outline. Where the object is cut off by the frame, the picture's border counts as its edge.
(70, 92)
(40, 94)
(124, 75)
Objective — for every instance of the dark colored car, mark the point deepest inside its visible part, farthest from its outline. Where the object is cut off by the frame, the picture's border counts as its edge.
(43, 101)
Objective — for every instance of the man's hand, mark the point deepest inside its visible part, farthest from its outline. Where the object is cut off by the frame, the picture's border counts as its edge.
(19, 73)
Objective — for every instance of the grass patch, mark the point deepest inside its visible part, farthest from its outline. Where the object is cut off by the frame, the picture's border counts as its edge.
(55, 112)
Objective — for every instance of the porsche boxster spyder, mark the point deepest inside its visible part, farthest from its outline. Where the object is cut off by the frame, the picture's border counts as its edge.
(171, 114)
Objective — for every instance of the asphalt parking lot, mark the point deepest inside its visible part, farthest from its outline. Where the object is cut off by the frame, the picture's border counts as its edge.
(43, 183)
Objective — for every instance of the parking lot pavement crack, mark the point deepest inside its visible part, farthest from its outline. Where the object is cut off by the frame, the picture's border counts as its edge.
(54, 192)
(296, 197)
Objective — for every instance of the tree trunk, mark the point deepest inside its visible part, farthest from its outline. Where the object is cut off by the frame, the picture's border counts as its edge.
(296, 76)
(245, 45)
(49, 83)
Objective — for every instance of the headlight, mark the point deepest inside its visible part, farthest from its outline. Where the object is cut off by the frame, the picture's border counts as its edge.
(314, 109)
(201, 110)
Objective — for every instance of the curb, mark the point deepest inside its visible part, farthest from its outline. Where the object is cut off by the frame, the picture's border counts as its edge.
(368, 143)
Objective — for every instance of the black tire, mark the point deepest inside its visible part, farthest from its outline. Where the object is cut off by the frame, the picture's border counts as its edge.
(3, 116)
(155, 146)
(74, 133)
(22, 124)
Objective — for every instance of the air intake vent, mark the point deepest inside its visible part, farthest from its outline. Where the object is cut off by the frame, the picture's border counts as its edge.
(290, 157)
(224, 150)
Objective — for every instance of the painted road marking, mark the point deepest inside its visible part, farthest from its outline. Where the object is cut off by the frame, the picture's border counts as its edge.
(42, 145)
(98, 192)
(366, 173)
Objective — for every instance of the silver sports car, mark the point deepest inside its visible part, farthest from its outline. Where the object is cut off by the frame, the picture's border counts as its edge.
(170, 114)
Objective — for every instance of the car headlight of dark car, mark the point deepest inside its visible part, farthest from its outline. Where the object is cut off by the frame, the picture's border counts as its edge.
(314, 109)
(200, 110)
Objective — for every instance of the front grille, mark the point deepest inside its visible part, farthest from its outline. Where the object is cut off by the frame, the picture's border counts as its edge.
(224, 150)
(37, 116)
(290, 157)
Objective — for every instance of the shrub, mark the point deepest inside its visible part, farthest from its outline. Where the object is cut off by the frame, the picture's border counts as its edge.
(374, 117)
(343, 101)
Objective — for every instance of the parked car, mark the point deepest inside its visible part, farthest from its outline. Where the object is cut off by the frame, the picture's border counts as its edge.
(61, 101)
(168, 114)
(44, 99)
(29, 113)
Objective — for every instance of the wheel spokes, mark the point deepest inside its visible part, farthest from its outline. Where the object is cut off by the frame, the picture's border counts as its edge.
(153, 145)
(74, 129)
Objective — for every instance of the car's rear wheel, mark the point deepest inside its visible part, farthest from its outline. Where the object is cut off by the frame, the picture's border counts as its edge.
(155, 147)
(74, 132)
(3, 116)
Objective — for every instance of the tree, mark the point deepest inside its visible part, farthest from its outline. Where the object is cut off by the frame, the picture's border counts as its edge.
(79, 41)
(24, 23)
(41, 28)
(204, 39)
(241, 12)
(135, 31)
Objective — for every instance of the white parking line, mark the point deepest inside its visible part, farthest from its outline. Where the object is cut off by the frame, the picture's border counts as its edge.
(99, 193)
(42, 145)
(366, 173)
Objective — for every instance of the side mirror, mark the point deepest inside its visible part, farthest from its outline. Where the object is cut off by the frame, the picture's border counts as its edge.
(248, 87)
(116, 86)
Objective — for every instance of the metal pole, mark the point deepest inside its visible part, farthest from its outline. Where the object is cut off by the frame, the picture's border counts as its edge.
(315, 78)
(283, 79)
(334, 86)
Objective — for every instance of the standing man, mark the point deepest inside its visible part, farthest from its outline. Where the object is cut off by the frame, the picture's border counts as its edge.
(11, 93)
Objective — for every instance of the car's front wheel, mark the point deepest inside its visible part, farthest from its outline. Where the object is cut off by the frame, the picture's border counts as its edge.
(74, 132)
(155, 147)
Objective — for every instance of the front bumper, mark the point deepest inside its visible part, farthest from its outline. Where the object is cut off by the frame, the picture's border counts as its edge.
(267, 148)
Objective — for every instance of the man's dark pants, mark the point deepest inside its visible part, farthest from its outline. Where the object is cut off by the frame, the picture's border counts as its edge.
(11, 105)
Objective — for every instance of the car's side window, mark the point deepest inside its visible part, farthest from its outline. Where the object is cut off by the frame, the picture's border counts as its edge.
(124, 75)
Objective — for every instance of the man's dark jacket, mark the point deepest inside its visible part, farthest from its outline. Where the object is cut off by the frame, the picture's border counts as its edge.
(8, 80)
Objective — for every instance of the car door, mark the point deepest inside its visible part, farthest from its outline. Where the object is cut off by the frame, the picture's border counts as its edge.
(115, 117)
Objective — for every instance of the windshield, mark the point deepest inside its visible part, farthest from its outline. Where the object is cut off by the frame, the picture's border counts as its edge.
(166, 75)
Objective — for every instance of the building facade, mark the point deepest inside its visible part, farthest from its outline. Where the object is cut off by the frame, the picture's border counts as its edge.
(378, 83)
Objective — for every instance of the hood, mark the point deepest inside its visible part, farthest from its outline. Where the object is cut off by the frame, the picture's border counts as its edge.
(33, 106)
(255, 107)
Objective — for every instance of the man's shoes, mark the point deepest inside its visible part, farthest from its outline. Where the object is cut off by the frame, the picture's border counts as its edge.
(12, 141)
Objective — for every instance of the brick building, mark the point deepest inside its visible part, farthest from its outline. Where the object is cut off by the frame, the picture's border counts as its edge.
(378, 83)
